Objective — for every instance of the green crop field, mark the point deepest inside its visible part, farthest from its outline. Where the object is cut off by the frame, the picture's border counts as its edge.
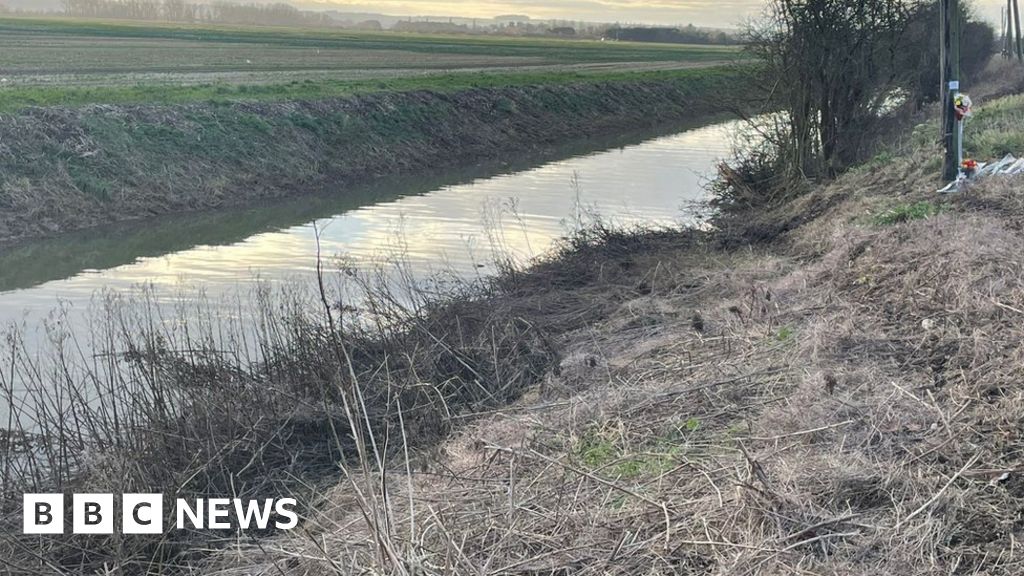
(63, 61)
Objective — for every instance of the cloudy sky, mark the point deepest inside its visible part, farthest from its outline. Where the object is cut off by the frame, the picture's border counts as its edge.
(701, 12)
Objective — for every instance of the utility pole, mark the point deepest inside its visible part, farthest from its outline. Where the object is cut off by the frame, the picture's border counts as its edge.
(1016, 25)
(1008, 44)
(1004, 30)
(950, 32)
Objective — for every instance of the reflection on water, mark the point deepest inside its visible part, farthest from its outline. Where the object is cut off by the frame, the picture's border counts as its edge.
(445, 221)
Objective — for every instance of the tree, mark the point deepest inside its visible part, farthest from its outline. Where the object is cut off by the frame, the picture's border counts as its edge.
(830, 66)
(976, 49)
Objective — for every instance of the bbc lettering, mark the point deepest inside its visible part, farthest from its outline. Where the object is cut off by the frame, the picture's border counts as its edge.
(144, 514)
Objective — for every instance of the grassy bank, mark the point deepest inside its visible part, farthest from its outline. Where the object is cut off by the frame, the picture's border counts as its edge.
(18, 98)
(68, 167)
(842, 397)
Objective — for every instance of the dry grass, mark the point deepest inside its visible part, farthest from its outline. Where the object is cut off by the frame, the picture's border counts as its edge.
(843, 400)
(201, 409)
(848, 405)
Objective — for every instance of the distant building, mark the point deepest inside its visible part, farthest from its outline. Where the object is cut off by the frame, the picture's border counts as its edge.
(511, 18)
(430, 27)
(373, 25)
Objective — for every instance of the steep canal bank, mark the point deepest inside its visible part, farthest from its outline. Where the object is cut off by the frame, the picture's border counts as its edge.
(63, 169)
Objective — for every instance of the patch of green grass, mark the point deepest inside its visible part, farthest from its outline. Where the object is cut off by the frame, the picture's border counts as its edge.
(595, 450)
(89, 183)
(908, 212)
(601, 450)
(880, 160)
(784, 334)
(15, 98)
(254, 123)
(998, 107)
(993, 131)
(994, 144)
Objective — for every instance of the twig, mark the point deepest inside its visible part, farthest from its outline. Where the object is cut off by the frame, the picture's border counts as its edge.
(801, 433)
(818, 526)
(938, 494)
(819, 538)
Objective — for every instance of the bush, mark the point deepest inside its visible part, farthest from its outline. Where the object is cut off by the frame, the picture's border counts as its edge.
(750, 180)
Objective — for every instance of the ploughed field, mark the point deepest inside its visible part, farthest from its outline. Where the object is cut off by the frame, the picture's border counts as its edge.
(40, 53)
(106, 121)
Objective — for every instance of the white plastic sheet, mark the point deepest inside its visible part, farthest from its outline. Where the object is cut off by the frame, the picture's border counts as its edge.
(1010, 165)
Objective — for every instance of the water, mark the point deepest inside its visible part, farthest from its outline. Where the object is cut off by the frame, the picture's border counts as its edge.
(450, 221)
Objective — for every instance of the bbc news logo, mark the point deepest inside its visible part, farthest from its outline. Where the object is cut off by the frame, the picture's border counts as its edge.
(144, 514)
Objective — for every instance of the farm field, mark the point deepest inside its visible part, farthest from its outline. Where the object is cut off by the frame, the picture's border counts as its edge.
(110, 121)
(37, 53)
(273, 88)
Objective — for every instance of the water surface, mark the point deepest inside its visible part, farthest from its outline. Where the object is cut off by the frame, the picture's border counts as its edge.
(451, 221)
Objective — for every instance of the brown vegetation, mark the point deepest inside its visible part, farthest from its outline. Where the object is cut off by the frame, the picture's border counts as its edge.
(842, 400)
(840, 395)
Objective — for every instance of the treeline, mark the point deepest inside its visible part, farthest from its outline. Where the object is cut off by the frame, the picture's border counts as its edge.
(181, 11)
(431, 27)
(688, 35)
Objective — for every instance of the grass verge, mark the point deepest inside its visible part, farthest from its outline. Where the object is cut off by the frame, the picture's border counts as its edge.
(17, 98)
(64, 168)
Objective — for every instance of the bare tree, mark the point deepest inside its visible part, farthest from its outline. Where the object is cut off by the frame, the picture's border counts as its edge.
(830, 66)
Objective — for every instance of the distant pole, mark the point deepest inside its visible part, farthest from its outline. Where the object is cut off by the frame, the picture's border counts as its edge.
(943, 69)
(950, 86)
(1003, 30)
(1017, 28)
(1008, 30)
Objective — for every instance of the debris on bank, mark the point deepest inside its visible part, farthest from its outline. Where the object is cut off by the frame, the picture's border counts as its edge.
(1010, 165)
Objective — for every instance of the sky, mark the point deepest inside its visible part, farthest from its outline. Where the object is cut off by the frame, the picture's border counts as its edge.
(718, 13)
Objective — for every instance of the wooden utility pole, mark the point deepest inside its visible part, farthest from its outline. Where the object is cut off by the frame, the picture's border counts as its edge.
(1016, 26)
(950, 32)
(1008, 30)
(1005, 30)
